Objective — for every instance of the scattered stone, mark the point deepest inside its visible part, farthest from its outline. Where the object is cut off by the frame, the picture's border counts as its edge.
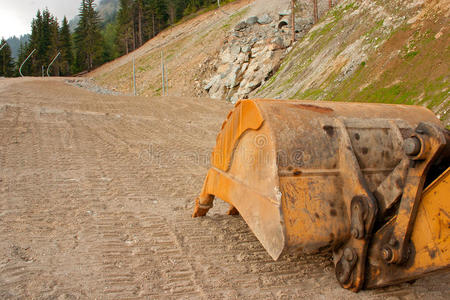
(90, 85)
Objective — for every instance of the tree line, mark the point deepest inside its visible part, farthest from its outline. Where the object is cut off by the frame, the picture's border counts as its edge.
(93, 41)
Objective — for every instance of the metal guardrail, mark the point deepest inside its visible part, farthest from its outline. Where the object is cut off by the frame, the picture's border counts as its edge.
(20, 69)
(48, 68)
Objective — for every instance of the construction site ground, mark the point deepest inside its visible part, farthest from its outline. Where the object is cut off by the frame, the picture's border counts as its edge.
(96, 196)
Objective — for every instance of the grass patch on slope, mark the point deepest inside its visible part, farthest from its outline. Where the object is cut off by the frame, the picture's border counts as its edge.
(417, 75)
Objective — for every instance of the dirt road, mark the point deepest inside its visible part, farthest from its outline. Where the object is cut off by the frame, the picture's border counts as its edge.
(96, 194)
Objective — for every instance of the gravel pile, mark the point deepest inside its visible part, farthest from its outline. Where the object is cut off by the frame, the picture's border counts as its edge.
(90, 85)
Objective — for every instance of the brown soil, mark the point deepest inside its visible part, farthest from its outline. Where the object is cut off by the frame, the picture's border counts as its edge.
(96, 194)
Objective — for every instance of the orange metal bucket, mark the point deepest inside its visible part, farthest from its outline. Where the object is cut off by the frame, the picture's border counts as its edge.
(280, 164)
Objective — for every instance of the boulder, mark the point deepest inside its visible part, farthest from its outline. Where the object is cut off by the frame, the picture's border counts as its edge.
(223, 68)
(217, 90)
(244, 67)
(251, 20)
(276, 44)
(213, 81)
(264, 19)
(242, 58)
(235, 50)
(226, 56)
(246, 49)
(240, 26)
(230, 80)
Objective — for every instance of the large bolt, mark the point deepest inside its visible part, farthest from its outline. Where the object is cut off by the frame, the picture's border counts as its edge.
(387, 254)
(412, 146)
(348, 254)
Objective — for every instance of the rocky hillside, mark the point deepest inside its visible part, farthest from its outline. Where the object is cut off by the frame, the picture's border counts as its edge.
(372, 51)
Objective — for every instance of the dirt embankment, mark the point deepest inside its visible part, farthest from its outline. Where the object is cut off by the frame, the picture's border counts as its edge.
(372, 51)
(96, 196)
(186, 47)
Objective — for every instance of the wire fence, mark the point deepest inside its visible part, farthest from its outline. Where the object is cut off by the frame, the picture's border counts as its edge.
(164, 76)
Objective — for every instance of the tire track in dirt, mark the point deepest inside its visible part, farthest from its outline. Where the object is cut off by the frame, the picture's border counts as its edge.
(140, 257)
(97, 205)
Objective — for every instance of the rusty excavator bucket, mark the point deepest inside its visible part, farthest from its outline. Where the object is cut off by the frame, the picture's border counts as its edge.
(347, 177)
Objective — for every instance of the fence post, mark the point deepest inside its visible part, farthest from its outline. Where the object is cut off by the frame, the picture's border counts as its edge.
(293, 20)
(166, 78)
(316, 12)
(134, 76)
(163, 75)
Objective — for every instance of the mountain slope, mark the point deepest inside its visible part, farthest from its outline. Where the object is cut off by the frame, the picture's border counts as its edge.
(367, 51)
(187, 48)
(372, 51)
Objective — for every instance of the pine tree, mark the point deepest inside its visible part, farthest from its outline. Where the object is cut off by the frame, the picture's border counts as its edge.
(88, 40)
(158, 16)
(53, 49)
(6, 61)
(44, 38)
(65, 46)
(111, 49)
(139, 14)
(33, 65)
(23, 53)
(125, 26)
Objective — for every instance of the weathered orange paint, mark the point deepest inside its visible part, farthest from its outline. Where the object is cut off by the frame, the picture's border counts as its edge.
(430, 240)
(285, 167)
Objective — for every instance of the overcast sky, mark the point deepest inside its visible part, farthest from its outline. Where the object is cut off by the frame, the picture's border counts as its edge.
(16, 15)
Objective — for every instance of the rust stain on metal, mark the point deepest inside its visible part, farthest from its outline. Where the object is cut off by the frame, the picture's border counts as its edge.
(314, 108)
(289, 167)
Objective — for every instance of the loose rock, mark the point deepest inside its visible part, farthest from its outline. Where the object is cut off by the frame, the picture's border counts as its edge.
(264, 19)
(252, 20)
